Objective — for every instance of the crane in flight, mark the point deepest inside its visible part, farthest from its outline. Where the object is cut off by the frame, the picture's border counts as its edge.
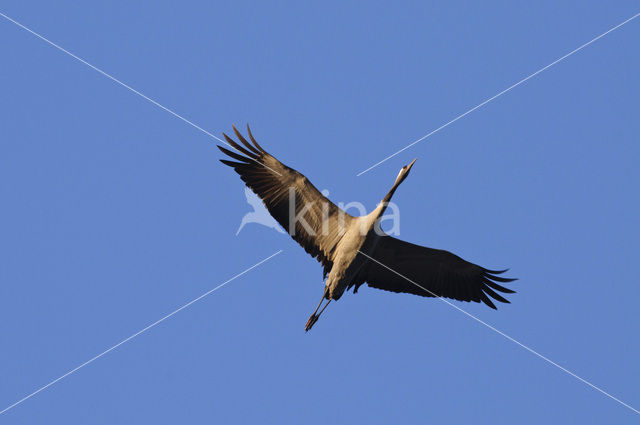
(354, 250)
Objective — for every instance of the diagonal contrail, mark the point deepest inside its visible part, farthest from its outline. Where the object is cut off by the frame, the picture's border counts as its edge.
(129, 338)
(499, 94)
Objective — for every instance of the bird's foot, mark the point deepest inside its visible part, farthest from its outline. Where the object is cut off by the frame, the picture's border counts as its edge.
(312, 320)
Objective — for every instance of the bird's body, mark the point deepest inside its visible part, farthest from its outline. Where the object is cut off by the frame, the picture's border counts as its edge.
(347, 263)
(354, 250)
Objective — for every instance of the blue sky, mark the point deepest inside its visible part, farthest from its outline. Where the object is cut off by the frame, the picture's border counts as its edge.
(115, 213)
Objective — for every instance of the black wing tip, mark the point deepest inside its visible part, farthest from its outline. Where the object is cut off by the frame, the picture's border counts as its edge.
(496, 271)
(231, 164)
(490, 286)
(493, 275)
(487, 300)
(488, 280)
(503, 279)
(223, 150)
(236, 156)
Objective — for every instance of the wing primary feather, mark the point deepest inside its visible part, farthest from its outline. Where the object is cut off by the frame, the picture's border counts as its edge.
(496, 271)
(271, 180)
(487, 301)
(240, 148)
(255, 142)
(235, 155)
(501, 279)
(233, 143)
(244, 141)
(231, 163)
(494, 295)
(498, 287)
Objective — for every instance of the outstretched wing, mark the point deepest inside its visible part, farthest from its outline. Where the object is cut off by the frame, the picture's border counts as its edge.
(313, 221)
(400, 266)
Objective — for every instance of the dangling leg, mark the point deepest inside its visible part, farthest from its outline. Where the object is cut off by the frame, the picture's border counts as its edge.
(314, 317)
(319, 304)
(325, 306)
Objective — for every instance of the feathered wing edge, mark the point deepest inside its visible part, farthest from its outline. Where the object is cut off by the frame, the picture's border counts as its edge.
(404, 267)
(489, 280)
(271, 180)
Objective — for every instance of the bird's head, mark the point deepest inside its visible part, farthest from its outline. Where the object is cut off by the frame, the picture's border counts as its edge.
(404, 172)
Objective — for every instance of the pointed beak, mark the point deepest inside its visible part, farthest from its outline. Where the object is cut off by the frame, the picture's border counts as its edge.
(411, 165)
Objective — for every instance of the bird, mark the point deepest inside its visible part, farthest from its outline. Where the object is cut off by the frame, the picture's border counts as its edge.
(259, 215)
(354, 250)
